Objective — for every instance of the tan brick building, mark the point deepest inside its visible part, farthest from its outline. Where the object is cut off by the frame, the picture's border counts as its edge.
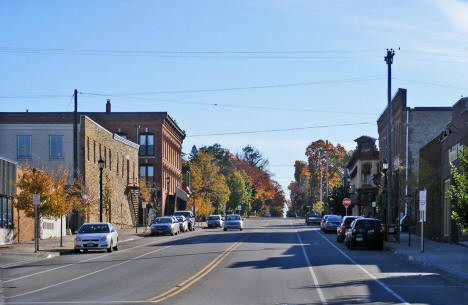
(120, 173)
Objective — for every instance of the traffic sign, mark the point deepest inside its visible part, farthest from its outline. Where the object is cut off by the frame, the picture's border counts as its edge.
(374, 204)
(239, 207)
(36, 199)
(346, 202)
(422, 200)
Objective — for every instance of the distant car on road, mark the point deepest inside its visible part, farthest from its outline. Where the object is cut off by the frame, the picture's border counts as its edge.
(183, 223)
(233, 221)
(96, 236)
(190, 218)
(312, 218)
(292, 214)
(215, 221)
(365, 232)
(344, 226)
(331, 223)
(165, 225)
(267, 215)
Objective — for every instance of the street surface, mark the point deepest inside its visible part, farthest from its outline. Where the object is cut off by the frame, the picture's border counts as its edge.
(273, 261)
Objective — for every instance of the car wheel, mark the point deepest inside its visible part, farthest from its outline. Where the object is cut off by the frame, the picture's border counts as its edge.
(172, 233)
(116, 248)
(380, 246)
(85, 250)
(76, 250)
(225, 229)
(241, 229)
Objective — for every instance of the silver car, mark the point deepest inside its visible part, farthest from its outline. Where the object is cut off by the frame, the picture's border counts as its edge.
(96, 236)
(233, 221)
(215, 221)
(165, 225)
(183, 223)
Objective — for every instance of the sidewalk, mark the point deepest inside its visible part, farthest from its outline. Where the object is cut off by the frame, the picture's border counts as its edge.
(17, 253)
(451, 258)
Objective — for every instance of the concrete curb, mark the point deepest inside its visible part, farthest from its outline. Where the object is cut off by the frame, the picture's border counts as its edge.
(454, 272)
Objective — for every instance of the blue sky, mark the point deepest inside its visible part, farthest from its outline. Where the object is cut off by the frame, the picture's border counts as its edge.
(324, 43)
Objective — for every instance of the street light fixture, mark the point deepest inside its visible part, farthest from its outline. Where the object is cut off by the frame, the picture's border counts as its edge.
(385, 165)
(101, 165)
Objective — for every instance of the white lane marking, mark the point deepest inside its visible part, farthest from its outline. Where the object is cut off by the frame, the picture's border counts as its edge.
(311, 270)
(367, 272)
(86, 274)
(83, 261)
(83, 302)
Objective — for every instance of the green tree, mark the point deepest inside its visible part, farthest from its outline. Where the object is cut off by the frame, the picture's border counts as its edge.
(240, 192)
(458, 191)
(318, 207)
(338, 193)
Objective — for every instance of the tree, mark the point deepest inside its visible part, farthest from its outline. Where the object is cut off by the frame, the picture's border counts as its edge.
(458, 191)
(339, 192)
(251, 155)
(221, 157)
(299, 189)
(56, 196)
(240, 192)
(318, 207)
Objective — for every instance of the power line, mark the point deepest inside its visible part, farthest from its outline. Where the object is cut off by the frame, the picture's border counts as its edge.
(284, 85)
(430, 83)
(279, 130)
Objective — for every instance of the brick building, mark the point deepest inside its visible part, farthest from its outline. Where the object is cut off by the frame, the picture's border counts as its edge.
(160, 154)
(412, 128)
(434, 174)
(362, 167)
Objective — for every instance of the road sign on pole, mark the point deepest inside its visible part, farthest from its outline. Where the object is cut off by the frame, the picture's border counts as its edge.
(422, 213)
(239, 207)
(346, 203)
(36, 201)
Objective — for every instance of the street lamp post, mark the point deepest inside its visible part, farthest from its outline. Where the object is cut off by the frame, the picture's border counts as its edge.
(385, 168)
(101, 167)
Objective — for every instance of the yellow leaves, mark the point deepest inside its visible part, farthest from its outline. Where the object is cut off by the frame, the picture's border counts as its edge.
(57, 198)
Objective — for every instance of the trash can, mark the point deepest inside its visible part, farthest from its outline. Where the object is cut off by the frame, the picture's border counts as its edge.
(390, 232)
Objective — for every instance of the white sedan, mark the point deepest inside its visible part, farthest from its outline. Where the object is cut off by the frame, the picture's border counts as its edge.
(96, 236)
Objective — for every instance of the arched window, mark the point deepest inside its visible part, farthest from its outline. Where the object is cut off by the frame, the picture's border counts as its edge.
(146, 144)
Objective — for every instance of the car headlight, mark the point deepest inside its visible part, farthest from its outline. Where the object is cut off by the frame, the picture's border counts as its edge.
(104, 238)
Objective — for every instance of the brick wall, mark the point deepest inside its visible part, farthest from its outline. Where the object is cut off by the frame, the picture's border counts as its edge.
(121, 158)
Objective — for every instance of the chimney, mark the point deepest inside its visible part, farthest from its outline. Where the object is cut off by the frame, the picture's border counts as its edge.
(108, 106)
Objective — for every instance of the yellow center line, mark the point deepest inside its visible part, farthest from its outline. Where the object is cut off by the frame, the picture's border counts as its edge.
(200, 274)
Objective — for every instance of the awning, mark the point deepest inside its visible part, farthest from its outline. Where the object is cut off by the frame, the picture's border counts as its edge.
(181, 194)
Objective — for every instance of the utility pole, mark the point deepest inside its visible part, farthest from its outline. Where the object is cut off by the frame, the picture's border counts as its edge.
(75, 136)
(389, 61)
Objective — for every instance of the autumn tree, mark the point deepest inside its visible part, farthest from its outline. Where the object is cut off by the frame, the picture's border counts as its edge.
(316, 154)
(208, 185)
(299, 188)
(241, 191)
(458, 191)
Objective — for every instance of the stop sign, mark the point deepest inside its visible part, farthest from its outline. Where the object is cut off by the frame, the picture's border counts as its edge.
(346, 202)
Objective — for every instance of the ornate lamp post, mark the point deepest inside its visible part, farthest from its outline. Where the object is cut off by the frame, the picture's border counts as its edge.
(385, 169)
(101, 165)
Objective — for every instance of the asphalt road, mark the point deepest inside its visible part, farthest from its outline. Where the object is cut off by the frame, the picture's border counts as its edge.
(273, 261)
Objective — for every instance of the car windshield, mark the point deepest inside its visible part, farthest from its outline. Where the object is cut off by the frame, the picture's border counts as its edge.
(180, 218)
(97, 228)
(349, 220)
(186, 214)
(163, 220)
(233, 217)
(214, 217)
(314, 215)
(333, 218)
(368, 224)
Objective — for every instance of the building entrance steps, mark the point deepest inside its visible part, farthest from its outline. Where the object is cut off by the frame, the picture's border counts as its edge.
(447, 257)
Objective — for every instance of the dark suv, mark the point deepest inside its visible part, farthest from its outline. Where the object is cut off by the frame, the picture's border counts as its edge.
(190, 218)
(365, 232)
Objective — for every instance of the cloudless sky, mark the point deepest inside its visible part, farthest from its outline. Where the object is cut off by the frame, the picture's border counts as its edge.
(336, 47)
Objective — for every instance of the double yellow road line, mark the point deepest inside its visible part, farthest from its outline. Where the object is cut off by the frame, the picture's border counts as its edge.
(200, 274)
(196, 277)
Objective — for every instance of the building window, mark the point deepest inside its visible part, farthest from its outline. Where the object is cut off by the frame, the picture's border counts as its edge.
(24, 147)
(87, 147)
(117, 162)
(56, 147)
(453, 152)
(6, 213)
(94, 151)
(100, 156)
(147, 173)
(110, 159)
(147, 144)
(123, 166)
(123, 135)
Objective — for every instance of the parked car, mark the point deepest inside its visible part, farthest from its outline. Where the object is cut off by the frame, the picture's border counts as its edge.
(233, 221)
(165, 225)
(183, 223)
(292, 214)
(324, 218)
(267, 215)
(331, 223)
(215, 221)
(365, 232)
(312, 217)
(190, 218)
(96, 236)
(344, 226)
